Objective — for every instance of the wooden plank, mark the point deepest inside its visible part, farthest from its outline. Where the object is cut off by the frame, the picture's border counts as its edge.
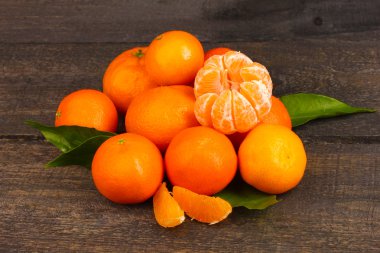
(35, 77)
(139, 21)
(335, 208)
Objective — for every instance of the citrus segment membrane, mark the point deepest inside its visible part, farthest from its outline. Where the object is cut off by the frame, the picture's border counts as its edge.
(221, 112)
(203, 105)
(243, 112)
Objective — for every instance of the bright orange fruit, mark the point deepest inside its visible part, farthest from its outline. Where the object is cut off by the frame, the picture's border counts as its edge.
(133, 56)
(174, 58)
(126, 77)
(272, 159)
(201, 160)
(166, 209)
(160, 113)
(127, 169)
(216, 51)
(278, 114)
(201, 207)
(87, 108)
(232, 93)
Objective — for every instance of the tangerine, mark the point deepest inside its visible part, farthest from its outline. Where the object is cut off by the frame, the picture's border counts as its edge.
(160, 113)
(272, 158)
(126, 77)
(174, 58)
(201, 159)
(127, 168)
(87, 108)
(232, 93)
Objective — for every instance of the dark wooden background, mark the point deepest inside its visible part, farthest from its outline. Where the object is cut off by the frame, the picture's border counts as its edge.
(51, 48)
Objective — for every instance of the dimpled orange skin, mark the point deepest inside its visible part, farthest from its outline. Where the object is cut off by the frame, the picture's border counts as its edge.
(127, 169)
(272, 159)
(174, 58)
(216, 51)
(201, 159)
(87, 108)
(160, 113)
(126, 77)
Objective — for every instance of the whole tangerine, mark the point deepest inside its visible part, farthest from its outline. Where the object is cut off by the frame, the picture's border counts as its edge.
(272, 159)
(201, 159)
(127, 169)
(126, 77)
(174, 58)
(87, 108)
(160, 113)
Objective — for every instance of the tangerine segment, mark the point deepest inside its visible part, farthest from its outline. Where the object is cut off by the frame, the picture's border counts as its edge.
(234, 62)
(258, 96)
(243, 89)
(166, 209)
(244, 114)
(201, 207)
(221, 113)
(204, 105)
(257, 71)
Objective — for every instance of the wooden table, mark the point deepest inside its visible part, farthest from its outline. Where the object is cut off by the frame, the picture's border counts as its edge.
(51, 48)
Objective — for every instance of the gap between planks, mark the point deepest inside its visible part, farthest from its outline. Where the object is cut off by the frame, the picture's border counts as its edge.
(305, 139)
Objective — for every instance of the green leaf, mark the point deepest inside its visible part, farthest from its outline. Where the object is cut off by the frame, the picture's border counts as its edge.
(303, 107)
(240, 194)
(66, 138)
(80, 155)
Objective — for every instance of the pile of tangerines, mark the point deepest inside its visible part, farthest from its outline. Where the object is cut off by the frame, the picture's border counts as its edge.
(197, 118)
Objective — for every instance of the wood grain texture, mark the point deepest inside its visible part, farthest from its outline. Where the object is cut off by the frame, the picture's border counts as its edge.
(336, 208)
(210, 20)
(35, 77)
(51, 48)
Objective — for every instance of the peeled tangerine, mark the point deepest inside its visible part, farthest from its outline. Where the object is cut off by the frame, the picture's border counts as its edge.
(232, 92)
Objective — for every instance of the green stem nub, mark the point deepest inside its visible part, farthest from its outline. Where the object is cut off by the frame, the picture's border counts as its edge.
(138, 54)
